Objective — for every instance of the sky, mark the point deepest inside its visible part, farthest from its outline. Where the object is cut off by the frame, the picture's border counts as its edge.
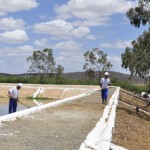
(69, 27)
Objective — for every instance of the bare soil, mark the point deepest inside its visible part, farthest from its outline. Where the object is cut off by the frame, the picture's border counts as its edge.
(132, 129)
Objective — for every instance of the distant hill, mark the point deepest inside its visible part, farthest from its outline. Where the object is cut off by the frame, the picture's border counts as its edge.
(82, 76)
(116, 75)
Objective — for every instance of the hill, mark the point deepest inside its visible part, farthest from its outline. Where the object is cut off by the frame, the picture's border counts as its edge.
(113, 75)
(81, 76)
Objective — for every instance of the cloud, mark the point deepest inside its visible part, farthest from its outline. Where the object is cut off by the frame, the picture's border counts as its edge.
(92, 13)
(15, 36)
(61, 29)
(15, 60)
(18, 51)
(7, 6)
(71, 61)
(70, 55)
(11, 24)
(117, 62)
(115, 59)
(91, 37)
(116, 44)
(68, 45)
(92, 22)
(41, 43)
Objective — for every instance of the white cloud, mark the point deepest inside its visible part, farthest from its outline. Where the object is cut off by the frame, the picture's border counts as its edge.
(91, 37)
(116, 44)
(71, 61)
(116, 62)
(70, 55)
(15, 36)
(92, 22)
(55, 27)
(92, 13)
(11, 24)
(115, 59)
(25, 48)
(7, 6)
(68, 45)
(41, 43)
(80, 32)
(15, 60)
(61, 29)
(19, 51)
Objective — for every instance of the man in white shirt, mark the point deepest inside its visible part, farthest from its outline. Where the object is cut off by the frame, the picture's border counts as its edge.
(104, 83)
(147, 97)
(13, 97)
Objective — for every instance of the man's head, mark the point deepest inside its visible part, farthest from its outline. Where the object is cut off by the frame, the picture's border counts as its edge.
(144, 95)
(19, 86)
(106, 74)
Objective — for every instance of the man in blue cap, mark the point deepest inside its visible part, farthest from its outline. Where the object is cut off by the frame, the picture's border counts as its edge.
(13, 97)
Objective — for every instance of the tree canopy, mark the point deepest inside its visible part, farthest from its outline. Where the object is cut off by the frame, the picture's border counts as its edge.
(137, 57)
(96, 60)
(140, 14)
(42, 62)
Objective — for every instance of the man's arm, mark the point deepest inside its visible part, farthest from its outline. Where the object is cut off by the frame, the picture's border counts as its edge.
(9, 94)
(100, 85)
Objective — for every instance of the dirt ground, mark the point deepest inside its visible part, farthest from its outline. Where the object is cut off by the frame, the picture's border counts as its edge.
(132, 129)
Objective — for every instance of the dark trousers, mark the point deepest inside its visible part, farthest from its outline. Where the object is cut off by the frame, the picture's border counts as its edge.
(104, 93)
(12, 105)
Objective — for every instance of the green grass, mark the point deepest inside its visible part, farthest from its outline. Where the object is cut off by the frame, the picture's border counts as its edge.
(36, 80)
(39, 98)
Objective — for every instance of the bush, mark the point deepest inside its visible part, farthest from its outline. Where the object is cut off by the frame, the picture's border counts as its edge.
(131, 87)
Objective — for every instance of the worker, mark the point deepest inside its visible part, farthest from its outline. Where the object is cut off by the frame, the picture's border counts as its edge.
(104, 83)
(147, 98)
(13, 97)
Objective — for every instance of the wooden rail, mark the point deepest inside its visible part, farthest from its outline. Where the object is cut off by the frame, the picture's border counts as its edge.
(137, 108)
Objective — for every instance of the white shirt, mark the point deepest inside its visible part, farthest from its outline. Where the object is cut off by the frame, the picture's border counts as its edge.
(13, 92)
(105, 82)
(148, 99)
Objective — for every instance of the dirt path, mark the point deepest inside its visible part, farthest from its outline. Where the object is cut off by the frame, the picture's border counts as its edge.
(59, 128)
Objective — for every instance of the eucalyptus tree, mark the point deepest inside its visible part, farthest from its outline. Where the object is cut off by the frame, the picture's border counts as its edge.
(137, 57)
(59, 70)
(96, 60)
(140, 14)
(42, 63)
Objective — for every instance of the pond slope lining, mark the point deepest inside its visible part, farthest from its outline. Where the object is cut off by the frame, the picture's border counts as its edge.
(22, 113)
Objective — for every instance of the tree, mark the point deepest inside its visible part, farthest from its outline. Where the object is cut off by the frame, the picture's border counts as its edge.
(42, 63)
(137, 57)
(96, 60)
(140, 14)
(59, 70)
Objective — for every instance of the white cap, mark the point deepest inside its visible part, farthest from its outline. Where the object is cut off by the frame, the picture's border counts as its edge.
(20, 84)
(106, 73)
(143, 93)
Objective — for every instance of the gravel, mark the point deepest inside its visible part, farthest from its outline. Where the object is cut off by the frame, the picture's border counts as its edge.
(63, 127)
